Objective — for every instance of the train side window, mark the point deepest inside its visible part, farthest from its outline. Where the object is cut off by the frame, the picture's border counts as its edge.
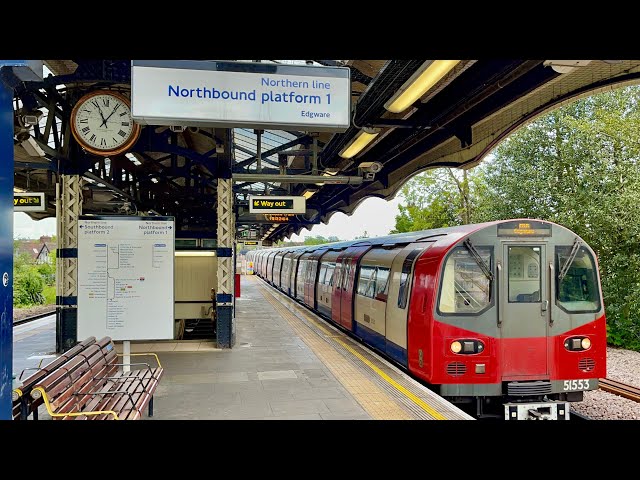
(347, 271)
(382, 279)
(465, 288)
(578, 291)
(364, 279)
(328, 279)
(323, 272)
(371, 286)
(382, 282)
(403, 292)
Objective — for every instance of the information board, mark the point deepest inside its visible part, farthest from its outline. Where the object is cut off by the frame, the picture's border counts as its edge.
(243, 94)
(126, 277)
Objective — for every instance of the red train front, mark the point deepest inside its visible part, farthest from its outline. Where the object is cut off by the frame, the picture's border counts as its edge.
(503, 318)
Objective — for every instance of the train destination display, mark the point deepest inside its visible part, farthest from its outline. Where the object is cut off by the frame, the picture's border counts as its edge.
(125, 277)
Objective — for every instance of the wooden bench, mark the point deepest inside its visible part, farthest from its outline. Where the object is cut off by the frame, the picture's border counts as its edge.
(23, 404)
(93, 385)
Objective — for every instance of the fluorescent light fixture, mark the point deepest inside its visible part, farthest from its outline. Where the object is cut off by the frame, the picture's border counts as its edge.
(182, 253)
(19, 190)
(419, 83)
(361, 140)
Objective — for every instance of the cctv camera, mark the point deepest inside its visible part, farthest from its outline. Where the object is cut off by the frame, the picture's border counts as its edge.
(371, 167)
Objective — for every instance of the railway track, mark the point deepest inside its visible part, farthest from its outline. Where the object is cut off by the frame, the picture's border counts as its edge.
(621, 389)
(34, 317)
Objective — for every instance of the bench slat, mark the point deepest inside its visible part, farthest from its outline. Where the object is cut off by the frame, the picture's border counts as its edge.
(90, 380)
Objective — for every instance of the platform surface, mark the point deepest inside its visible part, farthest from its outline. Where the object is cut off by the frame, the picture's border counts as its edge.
(287, 363)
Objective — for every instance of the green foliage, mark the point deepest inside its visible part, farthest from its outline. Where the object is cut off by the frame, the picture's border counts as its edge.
(578, 166)
(437, 198)
(29, 280)
(49, 293)
(27, 287)
(319, 240)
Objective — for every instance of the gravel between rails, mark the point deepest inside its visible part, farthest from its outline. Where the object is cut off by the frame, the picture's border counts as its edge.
(623, 366)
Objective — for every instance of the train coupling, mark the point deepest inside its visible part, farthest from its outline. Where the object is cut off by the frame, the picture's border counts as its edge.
(537, 411)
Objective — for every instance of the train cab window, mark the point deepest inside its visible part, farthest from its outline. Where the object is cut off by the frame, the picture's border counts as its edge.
(524, 274)
(465, 287)
(577, 289)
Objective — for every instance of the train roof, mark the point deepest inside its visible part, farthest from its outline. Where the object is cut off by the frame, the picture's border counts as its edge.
(456, 232)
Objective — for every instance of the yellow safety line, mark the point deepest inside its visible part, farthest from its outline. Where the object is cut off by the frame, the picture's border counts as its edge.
(78, 414)
(421, 403)
(425, 406)
(417, 400)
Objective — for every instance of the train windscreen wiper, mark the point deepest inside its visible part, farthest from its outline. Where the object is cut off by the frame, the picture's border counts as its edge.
(572, 256)
(476, 256)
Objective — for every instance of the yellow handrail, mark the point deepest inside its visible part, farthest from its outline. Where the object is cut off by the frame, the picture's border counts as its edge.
(139, 354)
(75, 414)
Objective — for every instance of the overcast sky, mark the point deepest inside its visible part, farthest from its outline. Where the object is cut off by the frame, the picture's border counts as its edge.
(374, 215)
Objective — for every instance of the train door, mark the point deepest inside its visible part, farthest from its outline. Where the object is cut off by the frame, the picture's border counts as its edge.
(349, 266)
(339, 274)
(524, 311)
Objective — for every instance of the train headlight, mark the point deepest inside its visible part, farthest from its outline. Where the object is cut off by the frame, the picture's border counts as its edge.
(577, 344)
(466, 346)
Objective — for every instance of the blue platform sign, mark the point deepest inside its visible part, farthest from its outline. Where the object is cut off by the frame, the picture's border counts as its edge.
(240, 94)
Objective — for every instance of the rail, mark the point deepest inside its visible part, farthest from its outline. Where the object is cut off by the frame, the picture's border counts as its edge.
(619, 388)
(34, 317)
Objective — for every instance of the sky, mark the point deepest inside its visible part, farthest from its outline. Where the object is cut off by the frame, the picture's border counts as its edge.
(373, 215)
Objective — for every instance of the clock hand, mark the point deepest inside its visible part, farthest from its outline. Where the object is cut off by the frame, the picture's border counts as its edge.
(104, 122)
(114, 111)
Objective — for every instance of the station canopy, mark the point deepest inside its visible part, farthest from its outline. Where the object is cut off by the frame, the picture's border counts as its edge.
(465, 109)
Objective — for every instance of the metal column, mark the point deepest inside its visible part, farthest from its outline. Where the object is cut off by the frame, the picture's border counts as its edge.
(225, 323)
(6, 249)
(226, 238)
(68, 209)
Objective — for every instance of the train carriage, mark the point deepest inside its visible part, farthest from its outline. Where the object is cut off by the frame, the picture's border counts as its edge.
(503, 317)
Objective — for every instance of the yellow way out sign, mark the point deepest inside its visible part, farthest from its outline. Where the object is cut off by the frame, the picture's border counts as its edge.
(276, 204)
(28, 202)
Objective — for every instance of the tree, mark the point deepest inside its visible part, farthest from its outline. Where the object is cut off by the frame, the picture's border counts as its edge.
(437, 198)
(579, 166)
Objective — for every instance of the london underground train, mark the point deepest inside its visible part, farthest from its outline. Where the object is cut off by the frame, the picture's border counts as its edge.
(504, 319)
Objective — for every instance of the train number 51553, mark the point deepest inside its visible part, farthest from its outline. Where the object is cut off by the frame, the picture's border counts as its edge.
(570, 385)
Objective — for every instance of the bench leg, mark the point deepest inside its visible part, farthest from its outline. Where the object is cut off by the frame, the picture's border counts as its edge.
(151, 407)
(24, 410)
(35, 413)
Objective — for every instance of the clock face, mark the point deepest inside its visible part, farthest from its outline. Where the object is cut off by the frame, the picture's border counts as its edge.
(102, 124)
